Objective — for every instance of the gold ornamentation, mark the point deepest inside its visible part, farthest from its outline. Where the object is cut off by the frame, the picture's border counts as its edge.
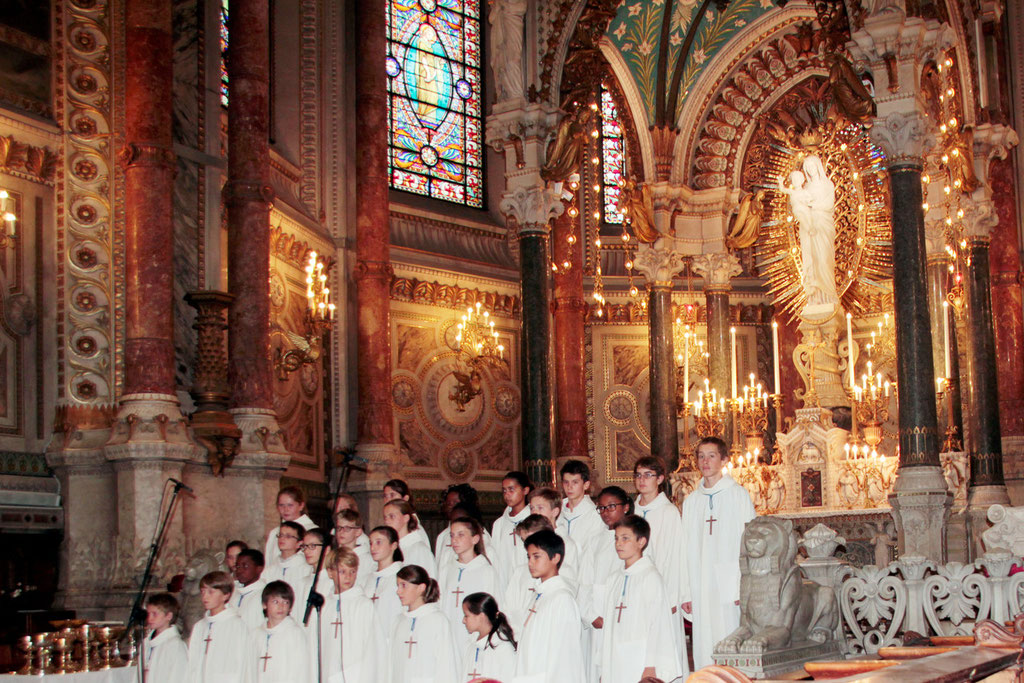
(453, 296)
(747, 224)
(566, 152)
(636, 203)
(24, 160)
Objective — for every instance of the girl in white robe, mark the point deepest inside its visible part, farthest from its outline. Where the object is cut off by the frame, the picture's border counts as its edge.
(492, 652)
(352, 645)
(397, 489)
(508, 547)
(381, 588)
(470, 573)
(399, 515)
(291, 506)
(422, 648)
(443, 553)
(279, 646)
(638, 636)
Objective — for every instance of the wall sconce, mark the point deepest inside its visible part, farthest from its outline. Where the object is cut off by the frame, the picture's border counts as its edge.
(319, 317)
(7, 206)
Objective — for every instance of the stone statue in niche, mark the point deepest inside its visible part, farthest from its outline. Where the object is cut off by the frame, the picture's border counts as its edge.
(779, 609)
(812, 199)
(506, 47)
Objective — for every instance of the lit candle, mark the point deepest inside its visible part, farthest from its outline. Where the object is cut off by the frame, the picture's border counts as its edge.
(945, 332)
(732, 334)
(775, 349)
(686, 367)
(849, 348)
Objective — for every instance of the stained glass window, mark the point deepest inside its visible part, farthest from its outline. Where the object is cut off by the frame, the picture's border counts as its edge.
(433, 65)
(613, 156)
(224, 52)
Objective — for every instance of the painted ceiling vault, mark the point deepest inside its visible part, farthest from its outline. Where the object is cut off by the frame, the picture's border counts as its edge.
(651, 36)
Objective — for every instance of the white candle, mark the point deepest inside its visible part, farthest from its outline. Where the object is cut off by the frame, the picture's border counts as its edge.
(775, 349)
(686, 367)
(732, 334)
(945, 332)
(849, 348)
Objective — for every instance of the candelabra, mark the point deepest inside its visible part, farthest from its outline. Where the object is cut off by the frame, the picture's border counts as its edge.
(709, 412)
(866, 477)
(871, 406)
(762, 480)
(751, 411)
(319, 316)
(478, 345)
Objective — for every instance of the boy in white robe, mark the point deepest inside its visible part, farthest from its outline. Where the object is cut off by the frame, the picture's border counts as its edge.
(550, 647)
(348, 527)
(291, 506)
(313, 543)
(665, 548)
(290, 566)
(280, 645)
(714, 516)
(248, 596)
(600, 566)
(471, 572)
(166, 657)
(579, 519)
(220, 647)
(521, 589)
(546, 501)
(638, 636)
(508, 547)
(353, 648)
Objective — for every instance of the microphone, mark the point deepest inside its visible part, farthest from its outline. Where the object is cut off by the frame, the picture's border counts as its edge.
(181, 485)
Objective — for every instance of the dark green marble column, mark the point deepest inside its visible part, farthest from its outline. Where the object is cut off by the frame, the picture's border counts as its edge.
(918, 434)
(536, 357)
(664, 429)
(986, 450)
(719, 349)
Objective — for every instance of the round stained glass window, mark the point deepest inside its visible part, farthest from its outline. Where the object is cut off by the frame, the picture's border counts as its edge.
(428, 155)
(392, 66)
(463, 88)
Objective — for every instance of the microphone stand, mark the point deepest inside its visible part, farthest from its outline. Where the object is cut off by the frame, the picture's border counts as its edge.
(137, 616)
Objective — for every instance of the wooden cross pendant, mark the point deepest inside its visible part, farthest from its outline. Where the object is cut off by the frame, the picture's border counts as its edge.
(458, 592)
(336, 623)
(711, 525)
(207, 640)
(621, 606)
(410, 643)
(265, 658)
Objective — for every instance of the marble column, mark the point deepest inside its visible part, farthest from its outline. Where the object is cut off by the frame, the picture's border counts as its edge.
(938, 276)
(659, 266)
(262, 455)
(529, 211)
(718, 271)
(149, 442)
(569, 309)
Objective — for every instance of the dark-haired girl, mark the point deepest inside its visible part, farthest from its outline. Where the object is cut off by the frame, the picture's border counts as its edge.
(382, 583)
(422, 648)
(493, 651)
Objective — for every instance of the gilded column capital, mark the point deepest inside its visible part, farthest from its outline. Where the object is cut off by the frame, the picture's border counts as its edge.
(717, 270)
(659, 266)
(532, 208)
(905, 137)
(522, 133)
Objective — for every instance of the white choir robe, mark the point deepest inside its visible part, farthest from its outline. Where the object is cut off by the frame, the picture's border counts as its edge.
(444, 555)
(324, 586)
(665, 549)
(415, 551)
(166, 657)
(600, 565)
(518, 597)
(220, 650)
(248, 602)
(422, 648)
(382, 590)
(711, 567)
(497, 660)
(550, 644)
(582, 523)
(570, 567)
(419, 532)
(292, 571)
(282, 653)
(508, 547)
(638, 628)
(366, 564)
(354, 649)
(459, 580)
(271, 553)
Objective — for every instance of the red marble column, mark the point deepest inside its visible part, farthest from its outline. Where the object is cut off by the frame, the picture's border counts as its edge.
(569, 309)
(789, 377)
(373, 267)
(148, 160)
(248, 196)
(1005, 270)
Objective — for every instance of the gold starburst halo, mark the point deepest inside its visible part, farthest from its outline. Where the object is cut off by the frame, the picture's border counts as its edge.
(863, 243)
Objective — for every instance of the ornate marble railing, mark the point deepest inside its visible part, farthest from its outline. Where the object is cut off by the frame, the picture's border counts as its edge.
(915, 594)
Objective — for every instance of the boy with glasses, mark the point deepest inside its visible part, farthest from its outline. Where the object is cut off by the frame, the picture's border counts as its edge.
(290, 565)
(348, 533)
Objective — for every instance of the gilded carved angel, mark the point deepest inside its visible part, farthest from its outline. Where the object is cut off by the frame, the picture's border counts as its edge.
(566, 152)
(636, 202)
(748, 222)
(850, 97)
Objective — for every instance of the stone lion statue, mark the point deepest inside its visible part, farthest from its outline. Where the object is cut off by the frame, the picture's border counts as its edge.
(778, 607)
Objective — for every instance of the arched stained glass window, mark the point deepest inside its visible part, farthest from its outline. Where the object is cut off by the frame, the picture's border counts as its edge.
(613, 151)
(433, 64)
(224, 52)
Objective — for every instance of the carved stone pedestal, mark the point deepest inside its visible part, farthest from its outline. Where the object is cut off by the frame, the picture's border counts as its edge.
(921, 504)
(816, 358)
(777, 662)
(979, 500)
